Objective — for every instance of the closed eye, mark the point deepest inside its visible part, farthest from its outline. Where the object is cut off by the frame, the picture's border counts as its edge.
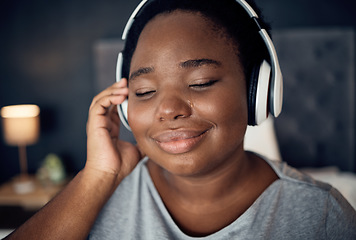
(143, 94)
(204, 84)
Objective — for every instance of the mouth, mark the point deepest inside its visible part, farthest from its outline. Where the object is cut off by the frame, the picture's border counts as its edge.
(179, 141)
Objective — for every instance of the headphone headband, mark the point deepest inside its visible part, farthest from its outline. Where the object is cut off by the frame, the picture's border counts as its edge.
(274, 88)
(132, 19)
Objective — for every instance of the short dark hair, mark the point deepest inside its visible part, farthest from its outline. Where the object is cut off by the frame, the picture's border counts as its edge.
(227, 14)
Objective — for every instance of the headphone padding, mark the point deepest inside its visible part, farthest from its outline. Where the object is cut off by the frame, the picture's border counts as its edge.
(262, 90)
(252, 95)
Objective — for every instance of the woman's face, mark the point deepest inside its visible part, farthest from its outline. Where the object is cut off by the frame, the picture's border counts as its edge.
(187, 95)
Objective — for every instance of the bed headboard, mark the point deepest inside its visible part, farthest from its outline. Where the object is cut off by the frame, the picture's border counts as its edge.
(317, 125)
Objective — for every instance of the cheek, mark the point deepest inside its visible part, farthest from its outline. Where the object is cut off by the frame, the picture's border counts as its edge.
(228, 111)
(236, 108)
(227, 108)
(232, 117)
(139, 119)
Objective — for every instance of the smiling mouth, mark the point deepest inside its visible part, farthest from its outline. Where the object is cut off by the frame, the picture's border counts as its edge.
(178, 142)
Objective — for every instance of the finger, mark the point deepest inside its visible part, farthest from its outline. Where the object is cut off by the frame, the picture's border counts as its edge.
(115, 120)
(102, 105)
(114, 115)
(122, 82)
(108, 93)
(119, 88)
(100, 117)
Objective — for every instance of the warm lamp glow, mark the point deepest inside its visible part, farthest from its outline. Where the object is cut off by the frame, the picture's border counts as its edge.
(21, 124)
(20, 111)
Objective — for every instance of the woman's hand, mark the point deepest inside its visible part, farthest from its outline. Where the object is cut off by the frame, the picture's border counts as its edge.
(71, 214)
(105, 152)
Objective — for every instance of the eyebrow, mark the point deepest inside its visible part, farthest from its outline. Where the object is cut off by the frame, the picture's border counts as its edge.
(193, 63)
(141, 71)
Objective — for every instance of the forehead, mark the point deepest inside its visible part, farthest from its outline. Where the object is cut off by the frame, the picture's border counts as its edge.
(182, 33)
(186, 19)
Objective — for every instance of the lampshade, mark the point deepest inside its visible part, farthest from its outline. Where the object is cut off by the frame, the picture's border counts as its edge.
(21, 124)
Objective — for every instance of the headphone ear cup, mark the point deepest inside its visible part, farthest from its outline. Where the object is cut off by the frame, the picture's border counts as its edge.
(252, 95)
(122, 108)
(122, 111)
(258, 93)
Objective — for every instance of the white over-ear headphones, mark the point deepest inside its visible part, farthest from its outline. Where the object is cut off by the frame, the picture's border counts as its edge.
(265, 93)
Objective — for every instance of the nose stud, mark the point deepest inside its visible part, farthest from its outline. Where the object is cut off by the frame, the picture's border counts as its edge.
(190, 104)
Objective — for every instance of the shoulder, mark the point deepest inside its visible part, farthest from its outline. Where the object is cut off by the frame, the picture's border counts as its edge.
(312, 203)
(297, 180)
(304, 187)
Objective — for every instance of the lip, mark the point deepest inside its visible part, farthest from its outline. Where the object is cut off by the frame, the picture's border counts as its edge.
(179, 141)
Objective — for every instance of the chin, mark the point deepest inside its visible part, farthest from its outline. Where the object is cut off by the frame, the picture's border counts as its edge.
(184, 166)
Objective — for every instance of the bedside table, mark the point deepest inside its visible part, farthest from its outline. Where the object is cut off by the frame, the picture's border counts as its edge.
(33, 200)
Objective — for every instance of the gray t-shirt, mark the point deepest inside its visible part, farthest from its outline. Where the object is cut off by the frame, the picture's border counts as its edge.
(293, 207)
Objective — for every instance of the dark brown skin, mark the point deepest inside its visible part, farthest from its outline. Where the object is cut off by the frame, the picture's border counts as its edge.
(209, 182)
(188, 112)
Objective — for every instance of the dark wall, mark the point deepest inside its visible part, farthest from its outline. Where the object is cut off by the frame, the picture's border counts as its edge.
(306, 13)
(46, 58)
(46, 50)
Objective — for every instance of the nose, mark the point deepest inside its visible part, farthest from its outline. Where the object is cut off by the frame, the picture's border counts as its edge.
(172, 107)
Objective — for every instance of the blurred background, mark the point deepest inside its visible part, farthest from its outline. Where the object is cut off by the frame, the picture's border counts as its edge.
(47, 57)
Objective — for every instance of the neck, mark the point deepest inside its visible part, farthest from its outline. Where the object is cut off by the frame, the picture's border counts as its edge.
(205, 203)
(213, 185)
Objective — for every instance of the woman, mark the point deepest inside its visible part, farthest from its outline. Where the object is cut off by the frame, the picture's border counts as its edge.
(188, 65)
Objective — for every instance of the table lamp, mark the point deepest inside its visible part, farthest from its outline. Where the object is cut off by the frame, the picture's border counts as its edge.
(21, 127)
